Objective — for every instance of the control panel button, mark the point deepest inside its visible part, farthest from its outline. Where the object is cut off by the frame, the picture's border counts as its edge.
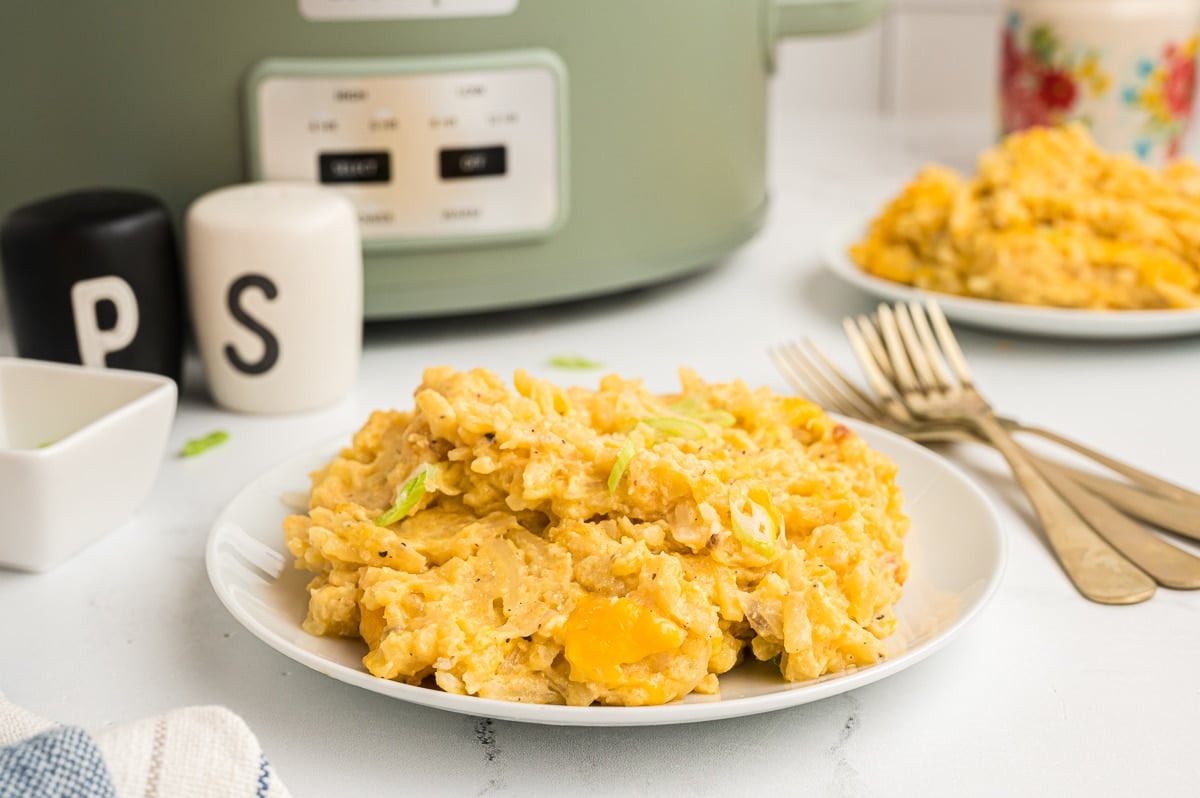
(354, 167)
(433, 152)
(473, 162)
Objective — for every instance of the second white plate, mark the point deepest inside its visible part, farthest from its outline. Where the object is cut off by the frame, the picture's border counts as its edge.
(1009, 317)
(955, 551)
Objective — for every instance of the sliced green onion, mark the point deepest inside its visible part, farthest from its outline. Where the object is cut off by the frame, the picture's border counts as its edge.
(200, 445)
(676, 428)
(722, 418)
(687, 406)
(694, 407)
(407, 497)
(618, 469)
(628, 427)
(574, 362)
(756, 522)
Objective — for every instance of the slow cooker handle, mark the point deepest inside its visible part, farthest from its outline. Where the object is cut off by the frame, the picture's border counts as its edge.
(808, 17)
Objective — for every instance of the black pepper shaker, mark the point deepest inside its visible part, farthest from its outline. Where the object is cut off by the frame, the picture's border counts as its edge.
(93, 277)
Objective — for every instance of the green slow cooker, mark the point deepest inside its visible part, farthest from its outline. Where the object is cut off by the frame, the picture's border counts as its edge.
(500, 152)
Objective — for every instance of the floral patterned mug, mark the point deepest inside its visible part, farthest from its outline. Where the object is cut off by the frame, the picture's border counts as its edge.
(1124, 68)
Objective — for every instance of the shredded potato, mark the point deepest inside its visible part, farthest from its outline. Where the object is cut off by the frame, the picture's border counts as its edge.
(520, 574)
(1049, 219)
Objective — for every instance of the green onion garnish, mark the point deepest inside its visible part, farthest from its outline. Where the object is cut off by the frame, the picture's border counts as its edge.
(693, 406)
(407, 497)
(574, 362)
(676, 428)
(618, 469)
(722, 418)
(201, 445)
(756, 522)
(687, 406)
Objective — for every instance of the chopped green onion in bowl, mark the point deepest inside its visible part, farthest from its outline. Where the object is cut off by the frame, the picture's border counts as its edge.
(618, 469)
(407, 497)
(201, 445)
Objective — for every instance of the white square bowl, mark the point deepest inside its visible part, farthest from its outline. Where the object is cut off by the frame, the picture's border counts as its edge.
(79, 451)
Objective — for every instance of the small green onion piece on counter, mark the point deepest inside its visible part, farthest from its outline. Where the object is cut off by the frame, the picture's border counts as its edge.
(407, 497)
(201, 445)
(574, 362)
(676, 428)
(618, 469)
(756, 522)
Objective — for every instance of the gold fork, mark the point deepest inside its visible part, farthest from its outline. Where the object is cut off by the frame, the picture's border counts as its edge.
(912, 325)
(1155, 500)
(815, 376)
(929, 392)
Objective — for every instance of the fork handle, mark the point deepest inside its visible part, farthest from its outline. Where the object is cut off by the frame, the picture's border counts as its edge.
(1178, 517)
(1098, 571)
(1168, 490)
(1168, 565)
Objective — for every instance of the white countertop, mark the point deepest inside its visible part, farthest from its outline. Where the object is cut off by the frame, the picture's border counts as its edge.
(1043, 694)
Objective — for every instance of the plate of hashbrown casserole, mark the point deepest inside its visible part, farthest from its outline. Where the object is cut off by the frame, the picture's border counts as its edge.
(1050, 236)
(607, 557)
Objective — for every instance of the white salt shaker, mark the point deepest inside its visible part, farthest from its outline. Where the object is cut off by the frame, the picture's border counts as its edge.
(274, 284)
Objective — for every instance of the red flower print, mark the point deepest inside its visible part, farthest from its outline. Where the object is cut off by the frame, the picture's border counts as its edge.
(1012, 62)
(1038, 86)
(1057, 90)
(1179, 85)
(1021, 106)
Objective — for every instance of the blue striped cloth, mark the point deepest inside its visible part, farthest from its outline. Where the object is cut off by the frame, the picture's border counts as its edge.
(62, 762)
(205, 750)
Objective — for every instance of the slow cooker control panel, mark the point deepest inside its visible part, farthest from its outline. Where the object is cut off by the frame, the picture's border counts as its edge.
(432, 151)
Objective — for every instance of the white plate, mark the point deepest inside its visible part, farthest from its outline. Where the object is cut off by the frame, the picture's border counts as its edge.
(955, 550)
(1009, 317)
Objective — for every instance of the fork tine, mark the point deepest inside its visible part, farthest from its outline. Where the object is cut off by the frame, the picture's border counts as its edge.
(866, 360)
(932, 349)
(949, 342)
(848, 385)
(875, 344)
(905, 378)
(787, 366)
(849, 395)
(801, 371)
(915, 348)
